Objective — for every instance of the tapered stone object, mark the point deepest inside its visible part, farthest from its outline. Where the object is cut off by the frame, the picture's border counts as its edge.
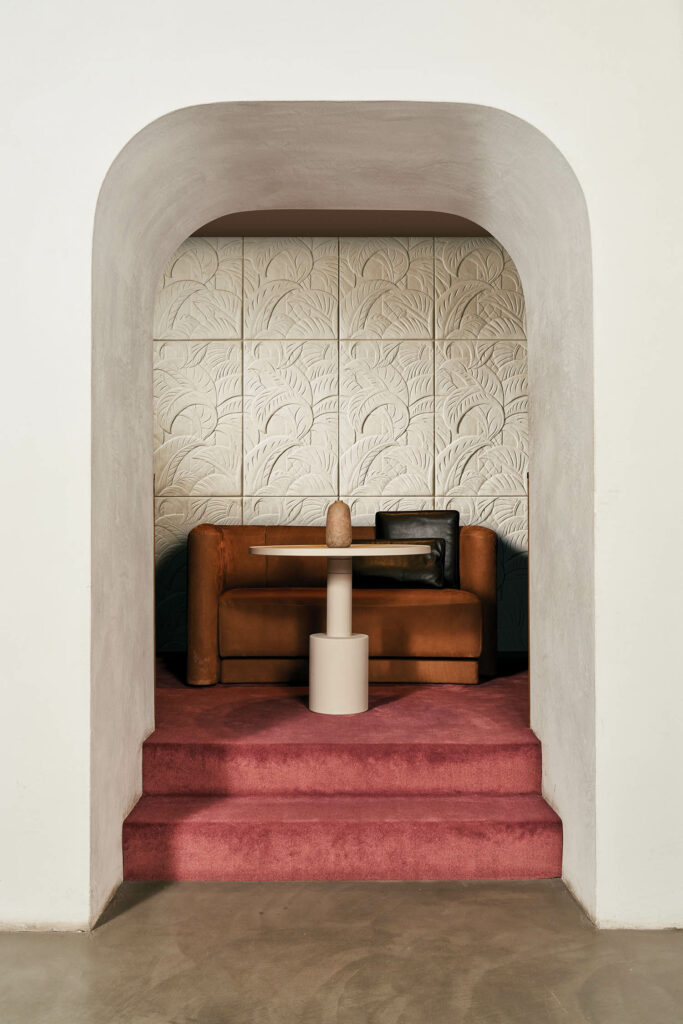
(338, 526)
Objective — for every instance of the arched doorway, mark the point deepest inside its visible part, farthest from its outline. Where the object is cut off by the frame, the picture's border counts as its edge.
(196, 164)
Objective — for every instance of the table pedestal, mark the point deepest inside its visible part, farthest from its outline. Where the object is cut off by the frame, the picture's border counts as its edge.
(338, 670)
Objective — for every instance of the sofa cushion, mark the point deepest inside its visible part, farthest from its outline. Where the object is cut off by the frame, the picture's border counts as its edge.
(276, 622)
(425, 525)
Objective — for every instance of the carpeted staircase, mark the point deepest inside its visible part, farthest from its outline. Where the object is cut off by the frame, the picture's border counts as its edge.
(434, 782)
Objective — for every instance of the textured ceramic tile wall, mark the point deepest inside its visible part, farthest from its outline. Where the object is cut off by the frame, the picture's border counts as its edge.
(388, 371)
(477, 290)
(197, 418)
(201, 291)
(386, 287)
(386, 423)
(290, 287)
(481, 417)
(291, 414)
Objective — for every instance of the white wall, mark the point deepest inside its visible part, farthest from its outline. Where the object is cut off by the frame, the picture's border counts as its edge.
(603, 82)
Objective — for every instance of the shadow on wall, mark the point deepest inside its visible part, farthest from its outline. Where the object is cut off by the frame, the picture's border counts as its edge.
(513, 598)
(170, 597)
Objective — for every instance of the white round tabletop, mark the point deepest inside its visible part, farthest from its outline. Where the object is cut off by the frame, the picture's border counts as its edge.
(355, 551)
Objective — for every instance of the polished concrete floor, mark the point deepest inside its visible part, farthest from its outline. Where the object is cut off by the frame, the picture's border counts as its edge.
(342, 952)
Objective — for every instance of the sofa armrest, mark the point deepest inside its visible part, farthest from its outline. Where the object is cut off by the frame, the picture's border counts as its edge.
(205, 576)
(478, 576)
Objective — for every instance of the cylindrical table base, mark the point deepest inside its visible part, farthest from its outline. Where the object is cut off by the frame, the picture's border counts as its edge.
(338, 674)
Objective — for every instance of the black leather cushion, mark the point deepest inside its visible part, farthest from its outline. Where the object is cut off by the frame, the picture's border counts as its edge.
(402, 570)
(427, 524)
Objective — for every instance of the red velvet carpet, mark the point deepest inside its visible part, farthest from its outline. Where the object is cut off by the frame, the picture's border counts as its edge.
(434, 782)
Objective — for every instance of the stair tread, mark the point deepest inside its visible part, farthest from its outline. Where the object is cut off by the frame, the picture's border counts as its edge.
(159, 739)
(400, 715)
(462, 808)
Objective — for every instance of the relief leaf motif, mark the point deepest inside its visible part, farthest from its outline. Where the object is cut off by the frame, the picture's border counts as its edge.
(478, 291)
(386, 417)
(197, 418)
(363, 509)
(290, 288)
(290, 415)
(481, 407)
(201, 291)
(289, 511)
(386, 288)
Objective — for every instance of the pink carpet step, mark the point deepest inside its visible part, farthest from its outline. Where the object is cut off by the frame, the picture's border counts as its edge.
(249, 838)
(263, 740)
(371, 768)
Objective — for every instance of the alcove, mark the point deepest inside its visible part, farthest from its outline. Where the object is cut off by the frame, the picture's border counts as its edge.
(192, 166)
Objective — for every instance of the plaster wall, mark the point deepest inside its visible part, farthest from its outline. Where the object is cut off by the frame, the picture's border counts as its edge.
(603, 83)
(390, 372)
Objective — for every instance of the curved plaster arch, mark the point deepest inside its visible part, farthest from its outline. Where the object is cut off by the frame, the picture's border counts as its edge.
(198, 163)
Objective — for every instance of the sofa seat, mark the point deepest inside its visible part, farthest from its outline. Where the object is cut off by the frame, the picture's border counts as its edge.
(401, 623)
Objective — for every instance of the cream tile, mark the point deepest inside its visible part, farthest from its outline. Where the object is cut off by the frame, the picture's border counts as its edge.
(290, 287)
(363, 509)
(386, 288)
(174, 518)
(509, 517)
(386, 418)
(481, 431)
(274, 511)
(478, 291)
(290, 418)
(201, 291)
(197, 418)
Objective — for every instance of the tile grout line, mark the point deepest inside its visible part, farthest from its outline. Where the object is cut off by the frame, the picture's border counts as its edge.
(242, 403)
(338, 367)
(434, 369)
(302, 497)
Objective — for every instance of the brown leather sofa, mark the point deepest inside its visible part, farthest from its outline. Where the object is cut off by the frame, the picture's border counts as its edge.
(249, 616)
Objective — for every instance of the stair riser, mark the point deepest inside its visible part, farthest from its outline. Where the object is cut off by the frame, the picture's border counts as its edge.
(344, 851)
(214, 770)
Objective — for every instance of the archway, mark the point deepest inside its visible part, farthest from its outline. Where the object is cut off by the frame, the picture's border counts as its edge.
(201, 162)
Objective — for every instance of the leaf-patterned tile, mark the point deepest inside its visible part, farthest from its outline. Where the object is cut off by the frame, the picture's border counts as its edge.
(290, 288)
(287, 511)
(363, 509)
(200, 296)
(386, 417)
(173, 520)
(481, 431)
(290, 418)
(478, 291)
(197, 418)
(386, 288)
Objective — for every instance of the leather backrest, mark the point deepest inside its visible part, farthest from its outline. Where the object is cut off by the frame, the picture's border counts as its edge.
(240, 568)
(408, 571)
(295, 572)
(425, 524)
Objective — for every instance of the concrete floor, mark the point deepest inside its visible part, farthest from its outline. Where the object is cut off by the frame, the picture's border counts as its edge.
(343, 952)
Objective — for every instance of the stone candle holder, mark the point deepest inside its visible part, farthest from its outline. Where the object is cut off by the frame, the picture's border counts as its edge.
(338, 525)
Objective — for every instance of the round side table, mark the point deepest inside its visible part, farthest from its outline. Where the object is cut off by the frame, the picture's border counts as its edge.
(338, 664)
